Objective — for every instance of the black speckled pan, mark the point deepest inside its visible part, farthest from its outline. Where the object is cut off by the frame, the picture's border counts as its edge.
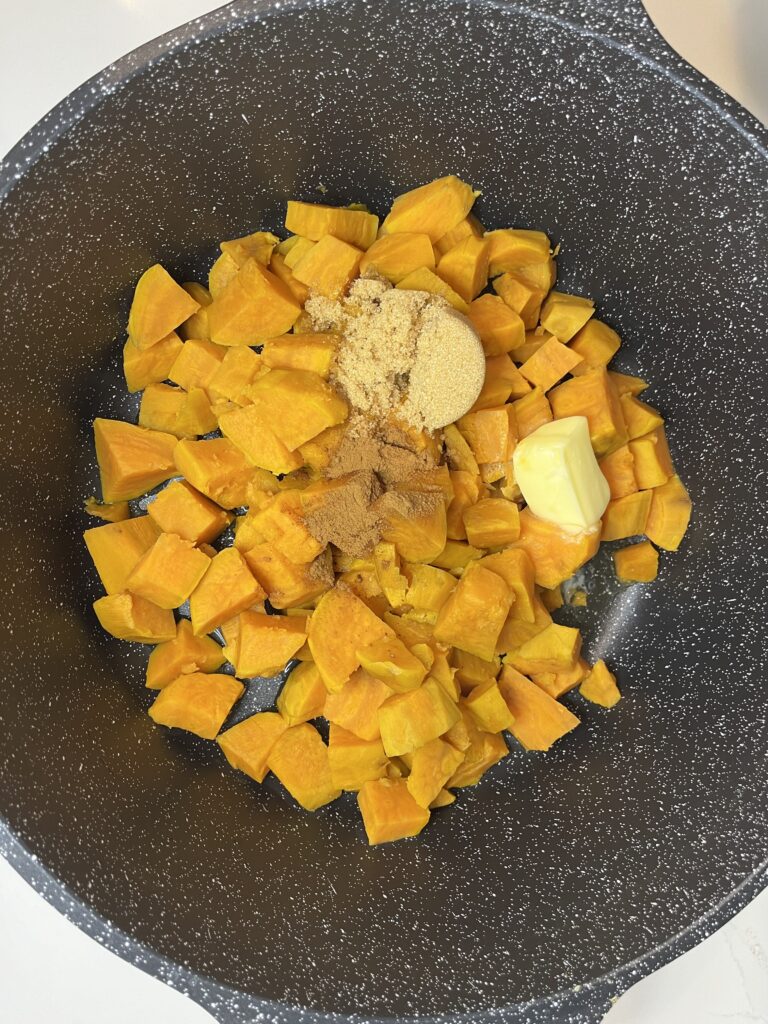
(562, 878)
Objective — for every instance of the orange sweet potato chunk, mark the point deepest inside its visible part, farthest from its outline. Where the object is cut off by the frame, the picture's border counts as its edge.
(597, 344)
(500, 328)
(227, 588)
(472, 617)
(151, 365)
(555, 555)
(669, 514)
(600, 687)
(431, 767)
(426, 280)
(131, 460)
(626, 517)
(409, 720)
(159, 306)
(299, 759)
(287, 584)
(433, 209)
(314, 220)
(516, 568)
(248, 744)
(417, 538)
(117, 547)
(354, 761)
(356, 705)
(129, 617)
(196, 326)
(653, 463)
(549, 364)
(389, 811)
(481, 750)
(558, 683)
(593, 395)
(218, 469)
(182, 510)
(185, 653)
(538, 719)
(253, 306)
(198, 702)
(266, 643)
(531, 412)
(168, 572)
(524, 298)
(503, 381)
(555, 649)
(328, 267)
(196, 364)
(465, 267)
(618, 468)
(297, 404)
(492, 523)
(248, 429)
(396, 256)
(312, 352)
(637, 563)
(340, 626)
(512, 248)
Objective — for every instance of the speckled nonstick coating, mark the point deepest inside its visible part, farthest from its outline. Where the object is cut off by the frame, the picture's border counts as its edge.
(573, 873)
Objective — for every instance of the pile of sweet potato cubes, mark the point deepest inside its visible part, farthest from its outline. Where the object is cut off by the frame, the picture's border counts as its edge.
(424, 654)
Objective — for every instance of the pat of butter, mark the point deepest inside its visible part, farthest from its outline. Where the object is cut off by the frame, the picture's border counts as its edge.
(556, 469)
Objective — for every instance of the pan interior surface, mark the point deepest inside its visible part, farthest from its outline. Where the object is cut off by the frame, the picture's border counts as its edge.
(557, 868)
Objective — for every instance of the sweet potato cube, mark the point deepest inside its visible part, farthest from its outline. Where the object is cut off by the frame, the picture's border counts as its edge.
(652, 461)
(297, 404)
(389, 811)
(472, 617)
(466, 492)
(107, 511)
(328, 268)
(314, 220)
(168, 572)
(234, 373)
(196, 326)
(301, 247)
(131, 460)
(456, 556)
(196, 364)
(386, 564)
(248, 429)
(558, 683)
(160, 407)
(488, 708)
(117, 547)
(129, 617)
(492, 523)
(555, 649)
(593, 395)
(248, 744)
(639, 417)
(303, 694)
(258, 246)
(618, 468)
(355, 707)
(538, 719)
(516, 632)
(151, 365)
(503, 381)
(396, 256)
(198, 702)
(282, 524)
(600, 687)
(299, 759)
(534, 340)
(283, 272)
(224, 269)
(549, 364)
(431, 767)
(597, 344)
(340, 626)
(626, 384)
(159, 306)
(564, 315)
(637, 563)
(253, 306)
(511, 248)
(470, 226)
(515, 567)
(525, 299)
(185, 653)
(428, 587)
(390, 661)
(217, 468)
(531, 412)
(490, 433)
(313, 352)
(418, 538)
(195, 415)
(409, 720)
(669, 514)
(555, 555)
(287, 584)
(354, 761)
(472, 671)
(626, 517)
(434, 208)
(499, 328)
(182, 510)
(266, 643)
(465, 267)
(481, 750)
(425, 280)
(227, 589)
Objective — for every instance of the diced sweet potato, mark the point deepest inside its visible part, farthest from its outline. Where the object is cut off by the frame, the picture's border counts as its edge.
(549, 364)
(600, 686)
(525, 299)
(287, 584)
(227, 589)
(531, 412)
(511, 248)
(386, 564)
(303, 694)
(258, 246)
(626, 517)
(652, 461)
(341, 625)
(433, 209)
(593, 395)
(534, 340)
(299, 759)
(354, 761)
(558, 683)
(168, 572)
(626, 384)
(248, 744)
(356, 705)
(516, 632)
(185, 653)
(669, 514)
(234, 373)
(431, 767)
(456, 556)
(409, 720)
(639, 417)
(539, 275)
(300, 249)
(503, 381)
(281, 523)
(488, 708)
(425, 280)
(396, 256)
(117, 547)
(159, 306)
(564, 315)
(196, 326)
(198, 702)
(552, 599)
(390, 661)
(160, 407)
(389, 811)
(538, 719)
(195, 415)
(107, 511)
(196, 364)
(470, 226)
(182, 510)
(490, 433)
(253, 306)
(249, 431)
(499, 328)
(328, 268)
(217, 468)
(428, 587)
(618, 468)
(597, 344)
(516, 568)
(472, 671)
(298, 405)
(151, 365)
(482, 750)
(466, 492)
(266, 643)
(472, 617)
(313, 352)
(224, 269)
(283, 272)
(314, 220)
(637, 563)
(465, 267)
(555, 555)
(129, 617)
(554, 649)
(492, 523)
(131, 460)
(417, 538)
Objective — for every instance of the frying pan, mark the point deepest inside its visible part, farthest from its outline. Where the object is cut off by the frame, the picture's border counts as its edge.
(562, 878)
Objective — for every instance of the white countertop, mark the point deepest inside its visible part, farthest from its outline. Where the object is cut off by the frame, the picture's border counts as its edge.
(50, 972)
